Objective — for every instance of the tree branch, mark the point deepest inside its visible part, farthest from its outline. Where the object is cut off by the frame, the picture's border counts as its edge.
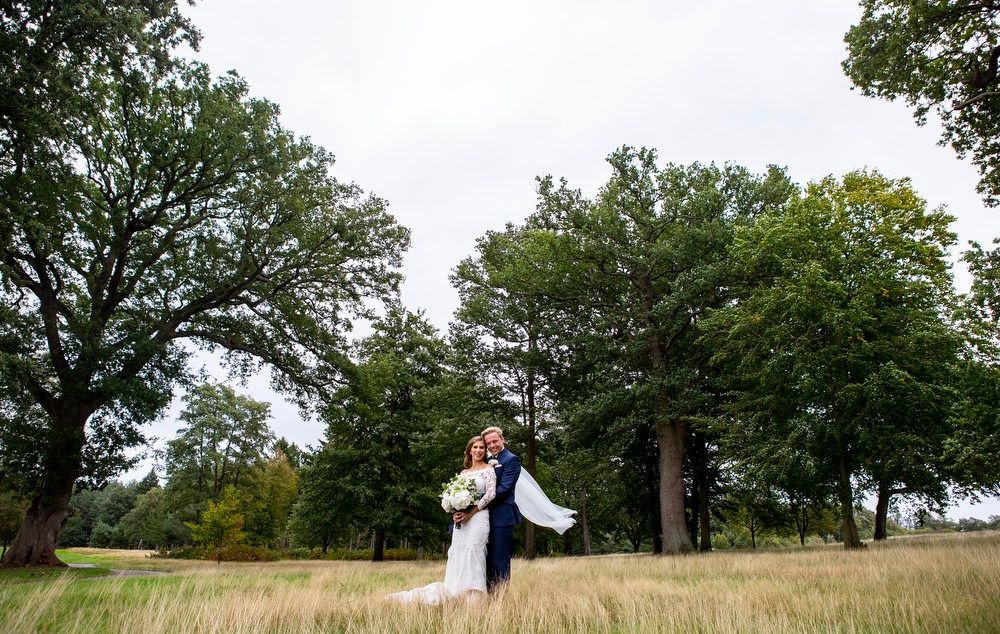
(972, 100)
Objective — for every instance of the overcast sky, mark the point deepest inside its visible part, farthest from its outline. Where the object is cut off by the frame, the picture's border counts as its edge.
(450, 109)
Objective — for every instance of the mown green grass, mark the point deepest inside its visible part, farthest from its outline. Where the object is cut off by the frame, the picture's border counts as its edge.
(69, 556)
(42, 575)
(22, 575)
(947, 583)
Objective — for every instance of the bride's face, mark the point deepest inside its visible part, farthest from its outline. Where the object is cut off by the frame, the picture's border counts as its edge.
(478, 451)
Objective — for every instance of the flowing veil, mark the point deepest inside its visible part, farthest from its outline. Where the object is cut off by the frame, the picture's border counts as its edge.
(537, 508)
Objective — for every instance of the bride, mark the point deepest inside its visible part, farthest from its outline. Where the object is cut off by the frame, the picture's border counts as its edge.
(466, 570)
(465, 574)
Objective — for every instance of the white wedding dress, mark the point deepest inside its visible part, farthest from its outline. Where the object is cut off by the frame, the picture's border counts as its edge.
(465, 574)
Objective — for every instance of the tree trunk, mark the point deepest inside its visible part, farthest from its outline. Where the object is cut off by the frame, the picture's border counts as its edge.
(701, 482)
(670, 439)
(529, 540)
(585, 524)
(378, 550)
(531, 450)
(885, 494)
(882, 510)
(852, 539)
(801, 520)
(35, 543)
(704, 527)
(691, 511)
(655, 523)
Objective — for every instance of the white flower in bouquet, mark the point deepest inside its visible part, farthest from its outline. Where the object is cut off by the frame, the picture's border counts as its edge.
(459, 494)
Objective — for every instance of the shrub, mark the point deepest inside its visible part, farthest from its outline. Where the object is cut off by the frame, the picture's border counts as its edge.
(720, 542)
(741, 539)
(221, 525)
(246, 552)
(302, 553)
(181, 552)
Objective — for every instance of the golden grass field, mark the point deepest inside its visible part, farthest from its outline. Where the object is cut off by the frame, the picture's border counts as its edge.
(934, 583)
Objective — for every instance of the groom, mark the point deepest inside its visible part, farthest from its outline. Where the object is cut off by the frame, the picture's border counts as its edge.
(504, 514)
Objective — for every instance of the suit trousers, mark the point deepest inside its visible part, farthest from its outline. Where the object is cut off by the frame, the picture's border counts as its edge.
(498, 553)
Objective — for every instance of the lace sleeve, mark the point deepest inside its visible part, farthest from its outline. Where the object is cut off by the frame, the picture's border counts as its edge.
(490, 481)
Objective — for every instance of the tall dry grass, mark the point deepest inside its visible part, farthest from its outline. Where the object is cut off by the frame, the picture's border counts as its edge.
(936, 583)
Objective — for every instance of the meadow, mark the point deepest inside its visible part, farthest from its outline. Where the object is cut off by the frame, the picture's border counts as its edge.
(932, 583)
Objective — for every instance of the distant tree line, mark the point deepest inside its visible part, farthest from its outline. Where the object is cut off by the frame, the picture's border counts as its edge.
(234, 491)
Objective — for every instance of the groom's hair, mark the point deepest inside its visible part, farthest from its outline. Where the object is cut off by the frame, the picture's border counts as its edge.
(493, 430)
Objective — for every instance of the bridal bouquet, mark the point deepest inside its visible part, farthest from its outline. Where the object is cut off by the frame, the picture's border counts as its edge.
(459, 494)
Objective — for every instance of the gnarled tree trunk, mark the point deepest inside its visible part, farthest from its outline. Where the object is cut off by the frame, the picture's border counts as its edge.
(35, 543)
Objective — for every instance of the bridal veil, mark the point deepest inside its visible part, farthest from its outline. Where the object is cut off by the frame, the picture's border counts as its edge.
(537, 508)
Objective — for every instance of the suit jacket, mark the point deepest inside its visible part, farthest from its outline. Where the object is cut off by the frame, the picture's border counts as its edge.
(503, 510)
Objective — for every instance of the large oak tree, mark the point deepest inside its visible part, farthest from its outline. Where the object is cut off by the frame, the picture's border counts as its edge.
(145, 204)
(840, 348)
(634, 271)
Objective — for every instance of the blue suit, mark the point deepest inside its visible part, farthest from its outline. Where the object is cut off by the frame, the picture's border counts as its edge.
(504, 515)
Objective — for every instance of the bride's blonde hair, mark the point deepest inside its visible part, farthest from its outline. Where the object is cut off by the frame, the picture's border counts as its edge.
(468, 450)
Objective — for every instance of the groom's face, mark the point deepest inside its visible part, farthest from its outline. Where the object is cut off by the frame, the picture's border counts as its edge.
(494, 443)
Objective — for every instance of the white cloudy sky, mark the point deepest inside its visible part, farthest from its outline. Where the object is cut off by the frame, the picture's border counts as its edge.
(449, 109)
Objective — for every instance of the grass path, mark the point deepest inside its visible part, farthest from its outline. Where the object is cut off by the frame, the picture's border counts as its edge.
(948, 583)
